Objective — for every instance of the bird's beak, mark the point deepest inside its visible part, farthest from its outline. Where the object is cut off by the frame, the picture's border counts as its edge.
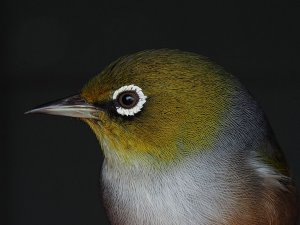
(74, 106)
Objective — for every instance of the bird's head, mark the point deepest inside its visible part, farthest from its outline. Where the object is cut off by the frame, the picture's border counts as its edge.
(154, 106)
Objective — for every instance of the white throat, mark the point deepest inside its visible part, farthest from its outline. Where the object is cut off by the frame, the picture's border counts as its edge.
(196, 191)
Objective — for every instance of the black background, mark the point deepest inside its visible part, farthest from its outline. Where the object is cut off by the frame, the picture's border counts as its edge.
(51, 48)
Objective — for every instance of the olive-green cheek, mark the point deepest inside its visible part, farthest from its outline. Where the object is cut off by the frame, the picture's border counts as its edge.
(117, 143)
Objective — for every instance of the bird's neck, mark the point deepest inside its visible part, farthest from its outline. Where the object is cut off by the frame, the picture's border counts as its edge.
(209, 188)
(194, 191)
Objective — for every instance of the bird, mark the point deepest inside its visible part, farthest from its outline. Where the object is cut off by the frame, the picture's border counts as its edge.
(184, 143)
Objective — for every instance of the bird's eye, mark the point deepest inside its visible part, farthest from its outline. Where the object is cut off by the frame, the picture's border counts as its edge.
(129, 100)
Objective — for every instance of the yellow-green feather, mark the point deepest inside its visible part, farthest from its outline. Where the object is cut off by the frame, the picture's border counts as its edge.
(187, 99)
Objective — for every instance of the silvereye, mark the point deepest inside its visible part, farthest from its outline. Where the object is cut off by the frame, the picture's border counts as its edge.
(184, 143)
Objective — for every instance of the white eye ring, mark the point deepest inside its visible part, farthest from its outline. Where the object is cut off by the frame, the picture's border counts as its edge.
(137, 107)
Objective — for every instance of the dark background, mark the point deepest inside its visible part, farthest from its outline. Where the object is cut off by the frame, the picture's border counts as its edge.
(51, 48)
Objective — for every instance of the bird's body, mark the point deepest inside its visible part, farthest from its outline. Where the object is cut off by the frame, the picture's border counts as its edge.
(228, 183)
(193, 192)
(186, 144)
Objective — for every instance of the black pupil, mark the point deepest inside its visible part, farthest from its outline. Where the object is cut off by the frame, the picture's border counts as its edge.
(128, 100)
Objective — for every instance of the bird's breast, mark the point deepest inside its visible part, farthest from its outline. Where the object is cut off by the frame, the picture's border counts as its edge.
(190, 193)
